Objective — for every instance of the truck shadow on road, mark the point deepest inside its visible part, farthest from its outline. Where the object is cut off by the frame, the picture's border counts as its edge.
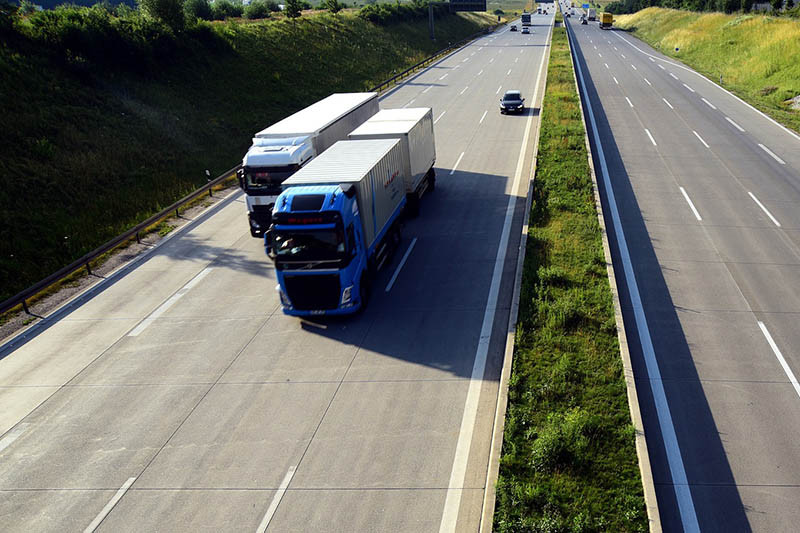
(713, 488)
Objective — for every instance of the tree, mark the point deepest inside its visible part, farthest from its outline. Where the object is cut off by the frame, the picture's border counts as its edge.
(197, 9)
(333, 6)
(789, 4)
(747, 5)
(293, 9)
(776, 5)
(257, 9)
(170, 12)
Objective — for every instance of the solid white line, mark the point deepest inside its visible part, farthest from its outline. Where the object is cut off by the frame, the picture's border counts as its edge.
(673, 75)
(651, 137)
(169, 303)
(770, 152)
(701, 139)
(440, 116)
(276, 500)
(483, 117)
(708, 103)
(12, 435)
(458, 473)
(648, 82)
(464, 90)
(629, 101)
(481, 72)
(680, 483)
(615, 80)
(456, 165)
(110, 505)
(735, 125)
(428, 89)
(498, 90)
(400, 266)
(781, 360)
(634, 66)
(509, 72)
(606, 64)
(666, 102)
(688, 87)
(411, 102)
(694, 210)
(753, 196)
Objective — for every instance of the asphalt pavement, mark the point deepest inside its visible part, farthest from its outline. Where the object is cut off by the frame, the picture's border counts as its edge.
(706, 191)
(180, 398)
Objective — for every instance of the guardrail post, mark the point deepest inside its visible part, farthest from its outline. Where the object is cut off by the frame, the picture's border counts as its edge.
(138, 240)
(25, 307)
(210, 192)
(88, 268)
(176, 213)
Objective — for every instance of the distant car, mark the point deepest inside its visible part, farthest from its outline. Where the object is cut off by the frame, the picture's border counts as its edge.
(583, 20)
(526, 30)
(512, 102)
(566, 15)
(513, 27)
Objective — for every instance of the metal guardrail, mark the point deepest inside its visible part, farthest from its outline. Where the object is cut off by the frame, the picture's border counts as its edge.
(410, 70)
(85, 261)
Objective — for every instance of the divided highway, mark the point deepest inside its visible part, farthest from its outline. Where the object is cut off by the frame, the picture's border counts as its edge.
(706, 191)
(180, 398)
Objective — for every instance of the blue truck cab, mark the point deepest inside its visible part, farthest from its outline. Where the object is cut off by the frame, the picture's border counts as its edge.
(333, 226)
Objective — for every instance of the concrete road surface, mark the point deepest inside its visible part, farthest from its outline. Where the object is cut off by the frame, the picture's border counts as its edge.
(180, 398)
(706, 191)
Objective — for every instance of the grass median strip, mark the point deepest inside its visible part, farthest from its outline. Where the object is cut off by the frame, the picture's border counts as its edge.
(569, 460)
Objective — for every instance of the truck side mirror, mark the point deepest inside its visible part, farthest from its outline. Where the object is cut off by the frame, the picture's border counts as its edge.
(240, 177)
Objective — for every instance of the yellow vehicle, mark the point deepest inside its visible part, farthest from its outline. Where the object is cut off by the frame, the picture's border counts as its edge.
(605, 20)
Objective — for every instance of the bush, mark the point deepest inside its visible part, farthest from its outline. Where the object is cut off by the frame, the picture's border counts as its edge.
(223, 9)
(197, 9)
(258, 9)
(385, 14)
(332, 5)
(170, 12)
(293, 8)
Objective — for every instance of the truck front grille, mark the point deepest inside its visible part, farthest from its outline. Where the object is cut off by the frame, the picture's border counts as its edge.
(313, 293)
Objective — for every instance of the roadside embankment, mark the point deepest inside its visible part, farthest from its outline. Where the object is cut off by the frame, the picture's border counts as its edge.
(569, 460)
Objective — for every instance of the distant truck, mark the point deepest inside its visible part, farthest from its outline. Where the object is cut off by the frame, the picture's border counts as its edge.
(414, 128)
(283, 148)
(591, 13)
(606, 19)
(336, 222)
(526, 19)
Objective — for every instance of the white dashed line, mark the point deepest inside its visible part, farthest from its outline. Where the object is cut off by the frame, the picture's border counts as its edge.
(781, 360)
(694, 210)
(453, 171)
(700, 138)
(464, 90)
(735, 125)
(666, 102)
(411, 102)
(483, 117)
(606, 64)
(110, 505)
(688, 87)
(601, 55)
(651, 137)
(509, 72)
(440, 116)
(629, 101)
(492, 59)
(443, 76)
(753, 196)
(428, 89)
(498, 90)
(661, 67)
(276, 500)
(169, 303)
(770, 152)
(634, 67)
(673, 75)
(400, 266)
(647, 82)
(709, 104)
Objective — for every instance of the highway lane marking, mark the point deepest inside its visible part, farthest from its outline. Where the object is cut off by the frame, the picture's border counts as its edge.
(516, 59)
(629, 101)
(490, 60)
(764, 115)
(615, 47)
(595, 47)
(428, 89)
(680, 482)
(455, 487)
(779, 355)
(648, 82)
(691, 205)
(443, 76)
(481, 72)
(606, 64)
(601, 55)
(440, 116)
(276, 500)
(110, 505)
(411, 102)
(673, 75)
(712, 106)
(400, 266)
(634, 67)
(661, 67)
(456, 165)
(651, 137)
(688, 87)
(738, 127)
(12, 435)
(463, 90)
(770, 152)
(623, 56)
(481, 48)
(701, 139)
(615, 80)
(753, 196)
(509, 72)
(666, 102)
(498, 90)
(472, 54)
(465, 60)
(483, 117)
(169, 303)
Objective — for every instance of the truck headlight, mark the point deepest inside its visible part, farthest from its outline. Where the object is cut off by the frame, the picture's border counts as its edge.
(254, 223)
(347, 294)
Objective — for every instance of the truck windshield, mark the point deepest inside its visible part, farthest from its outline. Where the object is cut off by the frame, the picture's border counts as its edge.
(308, 245)
(267, 180)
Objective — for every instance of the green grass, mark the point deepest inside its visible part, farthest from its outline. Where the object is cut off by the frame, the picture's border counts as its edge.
(89, 149)
(756, 55)
(569, 460)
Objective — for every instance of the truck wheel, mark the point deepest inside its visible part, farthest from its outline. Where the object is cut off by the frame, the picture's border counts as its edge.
(255, 233)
